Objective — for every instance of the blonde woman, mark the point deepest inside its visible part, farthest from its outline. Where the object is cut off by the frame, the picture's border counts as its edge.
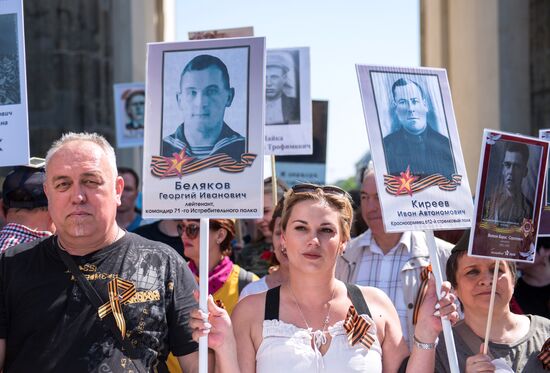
(313, 322)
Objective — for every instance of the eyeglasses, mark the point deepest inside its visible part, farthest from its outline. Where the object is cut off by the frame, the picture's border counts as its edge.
(191, 230)
(328, 189)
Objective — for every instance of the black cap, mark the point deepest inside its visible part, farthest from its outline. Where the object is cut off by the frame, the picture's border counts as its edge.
(23, 188)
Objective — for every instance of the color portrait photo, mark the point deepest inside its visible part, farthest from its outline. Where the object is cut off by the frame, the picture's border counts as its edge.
(129, 101)
(510, 194)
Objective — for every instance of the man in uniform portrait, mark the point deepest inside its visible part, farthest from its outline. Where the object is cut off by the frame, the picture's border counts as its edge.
(415, 145)
(279, 107)
(135, 110)
(205, 93)
(507, 203)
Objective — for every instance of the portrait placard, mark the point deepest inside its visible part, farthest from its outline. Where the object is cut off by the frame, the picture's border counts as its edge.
(510, 191)
(420, 173)
(129, 100)
(14, 122)
(203, 147)
(288, 129)
(308, 168)
(237, 32)
(544, 225)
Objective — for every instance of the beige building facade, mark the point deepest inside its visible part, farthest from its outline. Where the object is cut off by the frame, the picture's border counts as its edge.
(495, 53)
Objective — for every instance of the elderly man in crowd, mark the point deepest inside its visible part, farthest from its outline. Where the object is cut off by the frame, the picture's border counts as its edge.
(391, 262)
(92, 297)
(25, 207)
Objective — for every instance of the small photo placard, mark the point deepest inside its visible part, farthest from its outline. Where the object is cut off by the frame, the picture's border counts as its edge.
(544, 226)
(14, 122)
(288, 118)
(129, 101)
(510, 193)
(236, 32)
(293, 169)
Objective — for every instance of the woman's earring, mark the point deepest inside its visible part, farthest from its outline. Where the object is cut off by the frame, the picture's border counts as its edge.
(283, 250)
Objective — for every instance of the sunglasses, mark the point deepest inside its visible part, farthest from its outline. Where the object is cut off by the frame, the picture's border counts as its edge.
(328, 189)
(191, 230)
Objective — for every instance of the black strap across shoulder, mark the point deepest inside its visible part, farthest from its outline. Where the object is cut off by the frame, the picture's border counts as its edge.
(272, 299)
(94, 298)
(358, 300)
(273, 296)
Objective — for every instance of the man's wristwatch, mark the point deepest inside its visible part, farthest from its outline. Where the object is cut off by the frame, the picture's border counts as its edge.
(425, 346)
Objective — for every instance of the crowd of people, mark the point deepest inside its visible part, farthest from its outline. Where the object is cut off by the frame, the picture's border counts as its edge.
(86, 284)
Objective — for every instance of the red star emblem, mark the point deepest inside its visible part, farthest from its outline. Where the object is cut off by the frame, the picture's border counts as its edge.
(406, 179)
(177, 161)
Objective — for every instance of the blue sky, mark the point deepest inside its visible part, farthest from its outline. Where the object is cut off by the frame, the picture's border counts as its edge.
(339, 34)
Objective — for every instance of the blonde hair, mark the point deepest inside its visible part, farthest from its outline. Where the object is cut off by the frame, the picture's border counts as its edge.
(340, 203)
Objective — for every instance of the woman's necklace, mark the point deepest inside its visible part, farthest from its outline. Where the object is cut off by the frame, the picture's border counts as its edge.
(318, 335)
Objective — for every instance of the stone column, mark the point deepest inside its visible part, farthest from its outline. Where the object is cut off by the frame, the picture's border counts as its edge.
(484, 47)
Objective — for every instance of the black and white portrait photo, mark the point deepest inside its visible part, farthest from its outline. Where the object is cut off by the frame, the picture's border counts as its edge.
(415, 147)
(282, 87)
(134, 105)
(413, 125)
(288, 115)
(10, 91)
(204, 121)
(511, 182)
(205, 105)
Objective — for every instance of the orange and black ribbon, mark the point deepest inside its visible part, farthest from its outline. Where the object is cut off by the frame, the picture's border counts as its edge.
(424, 277)
(120, 291)
(170, 167)
(356, 327)
(393, 184)
(220, 304)
(544, 355)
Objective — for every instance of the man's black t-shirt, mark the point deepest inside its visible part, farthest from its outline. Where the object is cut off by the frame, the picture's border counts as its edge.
(50, 325)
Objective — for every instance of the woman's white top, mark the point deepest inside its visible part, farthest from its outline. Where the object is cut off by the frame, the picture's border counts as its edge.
(254, 287)
(288, 349)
